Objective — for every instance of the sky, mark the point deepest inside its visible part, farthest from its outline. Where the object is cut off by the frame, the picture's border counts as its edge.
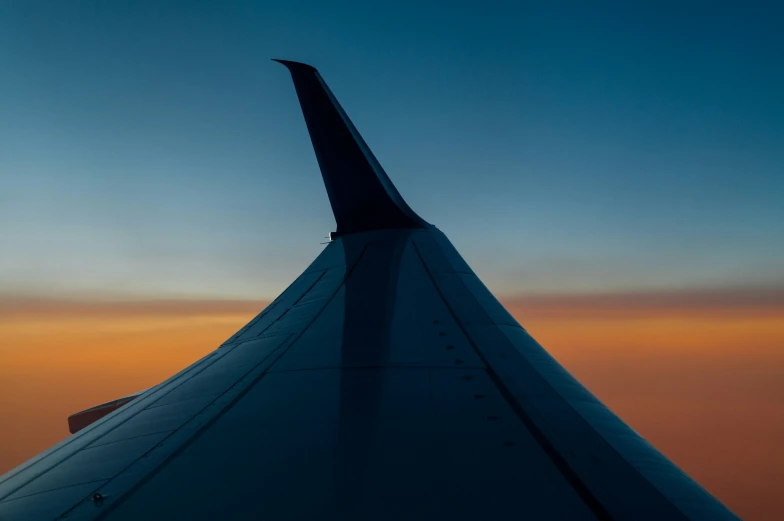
(152, 148)
(613, 171)
(699, 375)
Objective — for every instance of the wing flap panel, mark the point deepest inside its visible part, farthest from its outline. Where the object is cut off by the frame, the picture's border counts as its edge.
(363, 444)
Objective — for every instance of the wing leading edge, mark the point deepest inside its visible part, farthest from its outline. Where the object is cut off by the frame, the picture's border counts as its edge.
(385, 382)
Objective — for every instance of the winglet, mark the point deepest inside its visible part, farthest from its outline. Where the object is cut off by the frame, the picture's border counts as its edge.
(362, 196)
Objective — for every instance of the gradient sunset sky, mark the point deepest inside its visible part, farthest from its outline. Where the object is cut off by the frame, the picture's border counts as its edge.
(151, 148)
(613, 172)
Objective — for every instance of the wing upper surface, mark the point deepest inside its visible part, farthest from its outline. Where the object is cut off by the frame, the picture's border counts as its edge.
(163, 416)
(385, 381)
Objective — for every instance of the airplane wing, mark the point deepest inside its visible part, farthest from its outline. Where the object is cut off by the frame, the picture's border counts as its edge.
(385, 383)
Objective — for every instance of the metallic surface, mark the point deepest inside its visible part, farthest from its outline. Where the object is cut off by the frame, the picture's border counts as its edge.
(385, 383)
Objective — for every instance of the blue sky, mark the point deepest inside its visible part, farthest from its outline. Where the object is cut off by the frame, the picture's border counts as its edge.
(151, 149)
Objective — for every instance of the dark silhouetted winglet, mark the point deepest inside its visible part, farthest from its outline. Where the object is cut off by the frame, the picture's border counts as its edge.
(362, 196)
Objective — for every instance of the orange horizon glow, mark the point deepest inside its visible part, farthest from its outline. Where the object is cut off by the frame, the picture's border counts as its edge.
(700, 375)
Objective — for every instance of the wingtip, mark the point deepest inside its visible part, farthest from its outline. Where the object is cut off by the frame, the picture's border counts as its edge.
(362, 196)
(294, 65)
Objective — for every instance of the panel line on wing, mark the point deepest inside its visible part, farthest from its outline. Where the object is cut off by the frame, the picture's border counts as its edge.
(269, 361)
(130, 410)
(560, 463)
(187, 437)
